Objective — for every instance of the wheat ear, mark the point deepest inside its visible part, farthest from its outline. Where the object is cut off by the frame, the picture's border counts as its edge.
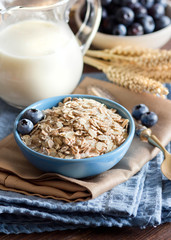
(126, 78)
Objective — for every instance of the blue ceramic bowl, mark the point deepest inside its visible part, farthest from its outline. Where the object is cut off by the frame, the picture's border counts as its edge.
(76, 168)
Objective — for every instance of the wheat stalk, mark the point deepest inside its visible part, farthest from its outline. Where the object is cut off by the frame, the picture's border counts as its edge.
(145, 58)
(125, 51)
(126, 77)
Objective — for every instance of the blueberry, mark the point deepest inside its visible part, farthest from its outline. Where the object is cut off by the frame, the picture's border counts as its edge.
(33, 115)
(147, 3)
(157, 10)
(25, 126)
(136, 29)
(139, 10)
(149, 119)
(139, 110)
(119, 30)
(162, 22)
(125, 16)
(163, 2)
(147, 23)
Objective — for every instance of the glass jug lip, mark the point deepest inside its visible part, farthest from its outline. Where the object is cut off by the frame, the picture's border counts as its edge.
(36, 8)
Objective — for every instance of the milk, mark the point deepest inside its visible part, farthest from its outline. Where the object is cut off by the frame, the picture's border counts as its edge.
(38, 59)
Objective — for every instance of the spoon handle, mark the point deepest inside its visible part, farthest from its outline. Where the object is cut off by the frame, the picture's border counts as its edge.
(152, 139)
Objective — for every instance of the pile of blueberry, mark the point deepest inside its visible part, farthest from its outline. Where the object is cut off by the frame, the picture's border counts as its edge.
(29, 118)
(132, 17)
(142, 113)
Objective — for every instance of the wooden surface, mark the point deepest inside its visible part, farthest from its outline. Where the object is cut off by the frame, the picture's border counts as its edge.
(162, 232)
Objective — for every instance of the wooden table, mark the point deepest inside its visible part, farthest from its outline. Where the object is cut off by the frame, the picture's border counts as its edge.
(162, 232)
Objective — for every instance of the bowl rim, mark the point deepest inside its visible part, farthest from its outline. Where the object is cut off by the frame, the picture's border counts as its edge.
(100, 34)
(41, 102)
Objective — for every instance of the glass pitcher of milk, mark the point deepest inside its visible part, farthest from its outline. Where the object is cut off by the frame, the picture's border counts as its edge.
(40, 57)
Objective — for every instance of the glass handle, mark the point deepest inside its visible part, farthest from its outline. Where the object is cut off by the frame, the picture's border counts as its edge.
(90, 25)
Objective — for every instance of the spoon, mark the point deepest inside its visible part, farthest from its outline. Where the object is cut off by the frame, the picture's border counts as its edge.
(143, 132)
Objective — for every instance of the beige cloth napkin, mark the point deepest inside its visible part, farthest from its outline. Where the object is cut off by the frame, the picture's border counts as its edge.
(18, 175)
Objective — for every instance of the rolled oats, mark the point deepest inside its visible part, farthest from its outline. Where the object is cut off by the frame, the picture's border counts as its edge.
(78, 128)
